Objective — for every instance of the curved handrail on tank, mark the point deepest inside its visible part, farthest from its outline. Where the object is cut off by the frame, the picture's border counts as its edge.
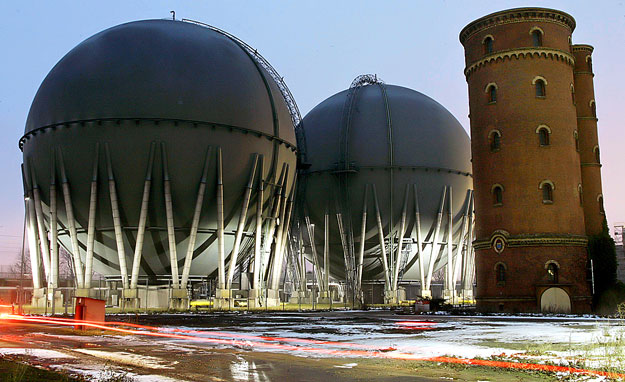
(286, 93)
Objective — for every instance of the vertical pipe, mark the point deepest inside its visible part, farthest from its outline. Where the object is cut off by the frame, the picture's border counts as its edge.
(419, 239)
(241, 226)
(326, 251)
(92, 212)
(54, 256)
(41, 227)
(119, 240)
(259, 225)
(381, 237)
(169, 212)
(311, 235)
(30, 222)
(363, 234)
(220, 222)
(136, 261)
(69, 211)
(196, 222)
(450, 281)
(434, 251)
(402, 230)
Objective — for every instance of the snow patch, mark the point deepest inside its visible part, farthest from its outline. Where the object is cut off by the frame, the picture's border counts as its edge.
(37, 353)
(127, 358)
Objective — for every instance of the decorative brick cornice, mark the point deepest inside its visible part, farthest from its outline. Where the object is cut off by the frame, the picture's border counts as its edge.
(542, 52)
(538, 240)
(518, 15)
(582, 48)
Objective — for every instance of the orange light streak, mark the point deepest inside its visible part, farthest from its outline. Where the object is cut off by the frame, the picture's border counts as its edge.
(278, 346)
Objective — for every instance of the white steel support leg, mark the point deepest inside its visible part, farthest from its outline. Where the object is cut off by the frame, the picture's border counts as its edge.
(326, 251)
(117, 225)
(71, 222)
(363, 234)
(276, 264)
(311, 235)
(241, 225)
(434, 251)
(195, 223)
(284, 238)
(450, 258)
(387, 280)
(460, 257)
(169, 211)
(143, 215)
(54, 255)
(275, 215)
(41, 227)
(91, 226)
(419, 239)
(220, 223)
(33, 248)
(259, 226)
(466, 272)
(402, 230)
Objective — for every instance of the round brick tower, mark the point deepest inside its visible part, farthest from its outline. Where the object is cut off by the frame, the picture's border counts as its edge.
(530, 236)
(588, 145)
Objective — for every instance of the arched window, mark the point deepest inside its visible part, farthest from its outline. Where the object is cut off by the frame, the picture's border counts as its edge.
(589, 63)
(494, 138)
(497, 191)
(541, 90)
(552, 273)
(600, 201)
(547, 188)
(593, 107)
(491, 91)
(543, 132)
(488, 44)
(500, 270)
(576, 137)
(573, 94)
(537, 36)
(580, 192)
(597, 155)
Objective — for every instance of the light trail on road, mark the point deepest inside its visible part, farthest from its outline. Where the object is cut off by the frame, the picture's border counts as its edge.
(374, 352)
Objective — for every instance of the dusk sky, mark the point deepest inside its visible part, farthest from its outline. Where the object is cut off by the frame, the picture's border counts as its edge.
(319, 47)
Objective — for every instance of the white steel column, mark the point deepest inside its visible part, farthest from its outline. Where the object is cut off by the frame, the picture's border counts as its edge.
(117, 225)
(136, 261)
(54, 256)
(284, 236)
(435, 242)
(195, 223)
(220, 223)
(459, 258)
(71, 222)
(326, 251)
(241, 225)
(276, 263)
(92, 211)
(419, 239)
(363, 234)
(450, 259)
(31, 221)
(381, 237)
(171, 236)
(41, 227)
(402, 230)
(259, 226)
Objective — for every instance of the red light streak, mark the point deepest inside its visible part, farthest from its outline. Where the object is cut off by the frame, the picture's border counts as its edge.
(167, 333)
(416, 325)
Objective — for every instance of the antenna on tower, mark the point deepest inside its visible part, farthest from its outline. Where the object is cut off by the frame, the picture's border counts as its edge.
(173, 15)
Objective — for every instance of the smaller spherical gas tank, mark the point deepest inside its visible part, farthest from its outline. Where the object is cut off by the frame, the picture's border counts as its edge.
(392, 145)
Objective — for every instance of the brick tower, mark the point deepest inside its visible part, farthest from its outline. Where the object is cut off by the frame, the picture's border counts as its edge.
(530, 233)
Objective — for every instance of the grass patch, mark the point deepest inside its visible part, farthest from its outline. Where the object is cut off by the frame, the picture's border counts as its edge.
(15, 371)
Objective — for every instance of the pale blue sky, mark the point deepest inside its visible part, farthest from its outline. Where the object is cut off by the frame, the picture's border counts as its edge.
(318, 46)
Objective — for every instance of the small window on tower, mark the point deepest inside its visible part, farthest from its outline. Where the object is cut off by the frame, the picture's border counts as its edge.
(492, 94)
(537, 37)
(494, 140)
(573, 94)
(600, 201)
(576, 136)
(497, 195)
(543, 136)
(589, 61)
(540, 88)
(501, 274)
(597, 156)
(580, 191)
(488, 45)
(552, 273)
(547, 190)
(593, 108)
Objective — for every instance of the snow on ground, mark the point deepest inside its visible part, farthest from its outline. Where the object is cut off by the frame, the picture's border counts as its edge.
(128, 358)
(36, 353)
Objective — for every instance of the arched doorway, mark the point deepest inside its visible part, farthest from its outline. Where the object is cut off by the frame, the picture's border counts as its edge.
(555, 300)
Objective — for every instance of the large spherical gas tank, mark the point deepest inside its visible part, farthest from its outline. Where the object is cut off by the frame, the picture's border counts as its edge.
(180, 91)
(387, 140)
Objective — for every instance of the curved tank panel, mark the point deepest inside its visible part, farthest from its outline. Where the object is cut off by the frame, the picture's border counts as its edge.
(385, 142)
(167, 96)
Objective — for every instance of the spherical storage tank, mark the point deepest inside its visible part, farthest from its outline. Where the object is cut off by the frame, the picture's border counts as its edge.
(385, 142)
(132, 126)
